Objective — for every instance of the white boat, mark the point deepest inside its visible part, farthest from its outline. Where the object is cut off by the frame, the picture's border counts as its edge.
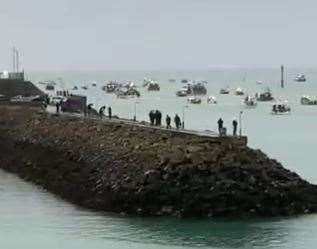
(307, 100)
(259, 82)
(281, 108)
(250, 101)
(181, 93)
(239, 92)
(194, 100)
(211, 100)
(300, 77)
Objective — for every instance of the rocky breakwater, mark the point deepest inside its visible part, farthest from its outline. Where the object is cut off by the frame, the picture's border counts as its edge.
(136, 170)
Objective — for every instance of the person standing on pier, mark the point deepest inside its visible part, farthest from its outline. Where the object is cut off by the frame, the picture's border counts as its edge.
(220, 125)
(177, 121)
(109, 112)
(168, 122)
(58, 105)
(235, 126)
(158, 118)
(102, 111)
(152, 117)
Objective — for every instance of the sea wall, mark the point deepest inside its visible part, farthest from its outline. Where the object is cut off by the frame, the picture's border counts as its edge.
(136, 170)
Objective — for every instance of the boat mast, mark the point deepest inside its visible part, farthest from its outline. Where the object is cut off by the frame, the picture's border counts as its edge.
(282, 76)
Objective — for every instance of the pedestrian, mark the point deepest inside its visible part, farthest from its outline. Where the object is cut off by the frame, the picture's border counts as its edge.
(177, 121)
(168, 122)
(235, 126)
(58, 105)
(220, 125)
(152, 117)
(158, 116)
(109, 112)
(102, 111)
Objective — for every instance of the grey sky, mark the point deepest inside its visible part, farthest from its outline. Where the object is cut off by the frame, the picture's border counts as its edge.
(158, 34)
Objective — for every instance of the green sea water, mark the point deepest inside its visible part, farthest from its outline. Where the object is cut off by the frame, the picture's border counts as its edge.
(33, 218)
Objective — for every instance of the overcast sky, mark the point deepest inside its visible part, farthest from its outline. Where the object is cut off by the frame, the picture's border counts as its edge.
(158, 34)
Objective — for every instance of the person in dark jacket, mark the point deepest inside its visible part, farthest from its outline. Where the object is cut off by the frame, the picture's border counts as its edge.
(220, 125)
(168, 122)
(102, 111)
(152, 117)
(177, 121)
(109, 112)
(158, 118)
(235, 126)
(58, 105)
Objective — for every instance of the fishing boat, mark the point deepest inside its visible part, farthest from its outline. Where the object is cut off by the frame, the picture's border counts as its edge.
(265, 96)
(153, 86)
(211, 100)
(239, 92)
(300, 77)
(280, 108)
(307, 100)
(125, 92)
(194, 100)
(224, 91)
(250, 101)
(197, 89)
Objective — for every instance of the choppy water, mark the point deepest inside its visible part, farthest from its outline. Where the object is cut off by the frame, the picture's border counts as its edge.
(32, 218)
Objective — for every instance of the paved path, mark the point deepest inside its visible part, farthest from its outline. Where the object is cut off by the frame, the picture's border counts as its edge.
(143, 124)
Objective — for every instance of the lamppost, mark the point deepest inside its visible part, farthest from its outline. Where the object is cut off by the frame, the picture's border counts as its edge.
(183, 120)
(134, 117)
(240, 123)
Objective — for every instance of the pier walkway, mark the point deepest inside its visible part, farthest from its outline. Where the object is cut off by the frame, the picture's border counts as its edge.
(144, 124)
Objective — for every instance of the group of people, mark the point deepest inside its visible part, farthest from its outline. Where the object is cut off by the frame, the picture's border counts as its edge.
(156, 119)
(223, 131)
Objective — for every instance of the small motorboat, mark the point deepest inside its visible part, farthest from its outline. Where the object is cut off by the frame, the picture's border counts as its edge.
(94, 84)
(307, 100)
(211, 100)
(250, 101)
(84, 87)
(280, 108)
(185, 81)
(194, 100)
(239, 92)
(300, 77)
(172, 80)
(265, 96)
(181, 93)
(75, 88)
(224, 91)
(259, 82)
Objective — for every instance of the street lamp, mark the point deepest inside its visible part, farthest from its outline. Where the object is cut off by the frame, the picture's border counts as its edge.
(240, 123)
(183, 120)
(134, 117)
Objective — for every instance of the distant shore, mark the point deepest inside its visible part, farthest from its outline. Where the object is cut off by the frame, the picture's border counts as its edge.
(135, 170)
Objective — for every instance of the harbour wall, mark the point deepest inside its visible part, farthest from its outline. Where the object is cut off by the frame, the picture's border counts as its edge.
(130, 169)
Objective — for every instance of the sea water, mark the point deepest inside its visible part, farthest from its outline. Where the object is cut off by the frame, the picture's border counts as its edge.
(33, 218)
